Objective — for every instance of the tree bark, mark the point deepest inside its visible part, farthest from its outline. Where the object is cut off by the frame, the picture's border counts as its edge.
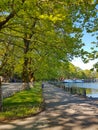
(26, 69)
(1, 105)
(31, 79)
(25, 74)
(11, 15)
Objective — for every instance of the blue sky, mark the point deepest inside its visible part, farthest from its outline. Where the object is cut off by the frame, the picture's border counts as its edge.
(87, 39)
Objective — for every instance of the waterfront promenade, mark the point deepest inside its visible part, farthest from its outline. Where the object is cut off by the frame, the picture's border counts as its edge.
(63, 112)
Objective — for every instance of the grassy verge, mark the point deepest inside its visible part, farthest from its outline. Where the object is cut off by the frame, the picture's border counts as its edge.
(23, 104)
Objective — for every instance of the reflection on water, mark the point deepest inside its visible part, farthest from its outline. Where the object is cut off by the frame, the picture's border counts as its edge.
(91, 88)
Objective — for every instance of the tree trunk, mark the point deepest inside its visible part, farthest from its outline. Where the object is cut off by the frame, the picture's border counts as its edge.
(31, 79)
(27, 42)
(25, 74)
(1, 105)
(25, 77)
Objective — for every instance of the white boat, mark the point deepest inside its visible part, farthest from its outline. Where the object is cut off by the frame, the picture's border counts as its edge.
(68, 81)
(78, 80)
(73, 81)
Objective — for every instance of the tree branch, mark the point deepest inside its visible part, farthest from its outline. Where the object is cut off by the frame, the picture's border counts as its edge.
(11, 15)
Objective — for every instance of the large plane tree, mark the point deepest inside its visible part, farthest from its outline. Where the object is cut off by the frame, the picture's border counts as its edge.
(43, 33)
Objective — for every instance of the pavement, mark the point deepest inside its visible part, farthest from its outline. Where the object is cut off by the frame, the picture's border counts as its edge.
(63, 112)
(9, 89)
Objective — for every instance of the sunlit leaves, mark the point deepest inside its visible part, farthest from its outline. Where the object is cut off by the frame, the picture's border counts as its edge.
(45, 32)
(52, 18)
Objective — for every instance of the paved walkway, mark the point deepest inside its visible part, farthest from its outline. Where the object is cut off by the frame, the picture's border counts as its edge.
(63, 112)
(9, 89)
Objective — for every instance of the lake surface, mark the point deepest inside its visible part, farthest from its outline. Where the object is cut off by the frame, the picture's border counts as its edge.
(91, 88)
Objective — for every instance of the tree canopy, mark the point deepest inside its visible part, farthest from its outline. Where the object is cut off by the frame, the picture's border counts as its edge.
(38, 36)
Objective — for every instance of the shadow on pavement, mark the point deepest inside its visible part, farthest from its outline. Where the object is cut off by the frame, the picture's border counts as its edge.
(63, 112)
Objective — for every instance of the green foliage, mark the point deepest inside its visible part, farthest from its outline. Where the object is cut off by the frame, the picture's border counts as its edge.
(42, 34)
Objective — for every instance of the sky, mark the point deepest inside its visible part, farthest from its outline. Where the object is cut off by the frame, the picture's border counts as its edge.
(79, 63)
(87, 39)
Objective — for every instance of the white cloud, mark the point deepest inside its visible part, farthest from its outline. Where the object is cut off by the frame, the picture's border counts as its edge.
(79, 63)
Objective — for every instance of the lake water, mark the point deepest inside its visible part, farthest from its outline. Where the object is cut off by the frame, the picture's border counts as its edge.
(91, 88)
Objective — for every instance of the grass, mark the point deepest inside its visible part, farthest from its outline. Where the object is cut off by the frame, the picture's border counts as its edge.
(23, 104)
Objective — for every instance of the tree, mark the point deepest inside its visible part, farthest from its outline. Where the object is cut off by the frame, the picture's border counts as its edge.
(48, 33)
(9, 10)
(91, 27)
